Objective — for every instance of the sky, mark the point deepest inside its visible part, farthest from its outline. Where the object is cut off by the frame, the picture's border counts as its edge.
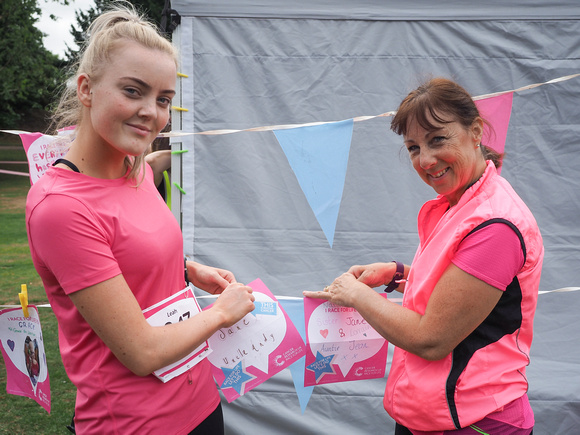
(58, 32)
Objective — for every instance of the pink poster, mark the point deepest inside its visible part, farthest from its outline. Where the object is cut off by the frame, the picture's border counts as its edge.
(22, 347)
(340, 345)
(257, 347)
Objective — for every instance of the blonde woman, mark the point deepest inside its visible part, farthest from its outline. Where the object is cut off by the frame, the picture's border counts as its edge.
(107, 247)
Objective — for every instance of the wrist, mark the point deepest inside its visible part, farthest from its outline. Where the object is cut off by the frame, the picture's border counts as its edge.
(186, 276)
(221, 316)
(397, 276)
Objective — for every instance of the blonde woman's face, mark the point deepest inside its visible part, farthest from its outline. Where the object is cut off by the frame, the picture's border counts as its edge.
(130, 102)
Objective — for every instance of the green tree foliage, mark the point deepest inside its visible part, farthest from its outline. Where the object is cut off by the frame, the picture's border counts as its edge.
(29, 74)
(151, 8)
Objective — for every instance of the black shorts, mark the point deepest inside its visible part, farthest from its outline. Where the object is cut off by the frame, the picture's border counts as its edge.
(213, 424)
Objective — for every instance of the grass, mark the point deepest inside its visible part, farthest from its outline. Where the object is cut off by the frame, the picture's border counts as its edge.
(21, 415)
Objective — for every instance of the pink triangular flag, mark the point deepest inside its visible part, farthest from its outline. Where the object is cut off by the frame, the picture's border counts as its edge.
(497, 111)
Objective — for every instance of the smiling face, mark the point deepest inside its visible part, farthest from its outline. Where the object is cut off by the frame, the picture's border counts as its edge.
(447, 157)
(129, 103)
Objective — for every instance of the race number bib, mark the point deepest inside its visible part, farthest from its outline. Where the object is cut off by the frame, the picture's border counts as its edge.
(178, 307)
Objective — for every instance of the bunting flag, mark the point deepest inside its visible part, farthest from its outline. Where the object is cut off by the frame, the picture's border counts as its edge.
(340, 345)
(318, 156)
(497, 111)
(22, 347)
(42, 150)
(295, 309)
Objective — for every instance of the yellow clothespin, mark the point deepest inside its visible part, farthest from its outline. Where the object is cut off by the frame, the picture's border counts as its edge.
(182, 75)
(180, 109)
(23, 295)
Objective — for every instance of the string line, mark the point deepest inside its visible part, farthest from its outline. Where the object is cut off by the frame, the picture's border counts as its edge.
(296, 298)
(355, 119)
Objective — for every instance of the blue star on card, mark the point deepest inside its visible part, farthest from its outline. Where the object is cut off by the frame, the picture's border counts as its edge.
(322, 366)
(236, 378)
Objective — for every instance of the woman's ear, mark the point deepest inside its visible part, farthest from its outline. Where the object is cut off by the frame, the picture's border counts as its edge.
(84, 92)
(477, 130)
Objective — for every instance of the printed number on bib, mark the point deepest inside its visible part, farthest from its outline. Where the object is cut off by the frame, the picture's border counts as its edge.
(177, 308)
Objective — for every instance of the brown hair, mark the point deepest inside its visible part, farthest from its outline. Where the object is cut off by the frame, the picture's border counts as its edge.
(435, 99)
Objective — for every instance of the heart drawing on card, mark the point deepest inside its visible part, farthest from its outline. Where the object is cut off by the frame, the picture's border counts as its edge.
(11, 344)
(324, 332)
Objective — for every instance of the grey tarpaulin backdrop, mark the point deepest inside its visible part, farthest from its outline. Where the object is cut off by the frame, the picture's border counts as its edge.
(268, 62)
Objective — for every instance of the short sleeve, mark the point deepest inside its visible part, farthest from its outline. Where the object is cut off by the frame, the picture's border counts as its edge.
(492, 254)
(67, 240)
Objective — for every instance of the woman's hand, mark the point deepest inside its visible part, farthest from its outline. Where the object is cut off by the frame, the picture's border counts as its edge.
(210, 279)
(375, 274)
(378, 274)
(345, 291)
(234, 303)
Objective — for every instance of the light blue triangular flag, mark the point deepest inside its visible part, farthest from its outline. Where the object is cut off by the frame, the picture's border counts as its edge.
(295, 310)
(318, 155)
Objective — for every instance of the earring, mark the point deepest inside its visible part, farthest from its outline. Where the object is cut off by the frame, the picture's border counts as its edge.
(478, 145)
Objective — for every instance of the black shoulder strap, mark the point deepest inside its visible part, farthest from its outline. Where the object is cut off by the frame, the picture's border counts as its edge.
(68, 163)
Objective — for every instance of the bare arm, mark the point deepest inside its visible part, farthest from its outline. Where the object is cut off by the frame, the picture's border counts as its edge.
(210, 279)
(143, 348)
(378, 274)
(458, 304)
(159, 161)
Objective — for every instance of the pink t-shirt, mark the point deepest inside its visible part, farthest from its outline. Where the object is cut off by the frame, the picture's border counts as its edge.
(83, 231)
(493, 254)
